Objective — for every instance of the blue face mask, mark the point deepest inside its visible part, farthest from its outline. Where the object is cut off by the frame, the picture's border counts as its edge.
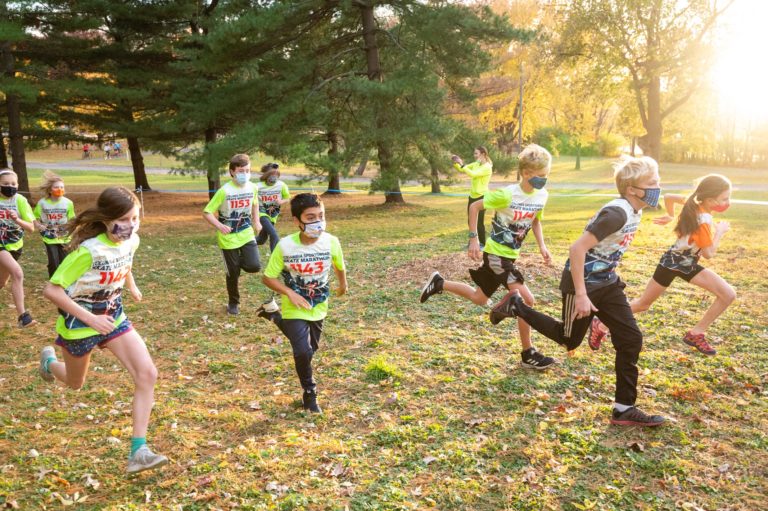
(241, 178)
(537, 182)
(651, 196)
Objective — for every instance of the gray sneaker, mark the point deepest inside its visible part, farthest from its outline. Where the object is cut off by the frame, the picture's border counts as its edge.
(144, 459)
(48, 352)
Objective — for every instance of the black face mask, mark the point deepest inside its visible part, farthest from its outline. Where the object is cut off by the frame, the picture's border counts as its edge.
(8, 191)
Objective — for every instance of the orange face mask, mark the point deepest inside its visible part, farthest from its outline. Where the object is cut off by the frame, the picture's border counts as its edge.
(58, 192)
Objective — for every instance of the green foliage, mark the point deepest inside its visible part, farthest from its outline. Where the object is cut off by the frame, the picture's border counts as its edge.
(379, 368)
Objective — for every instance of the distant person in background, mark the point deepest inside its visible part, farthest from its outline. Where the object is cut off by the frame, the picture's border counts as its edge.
(107, 150)
(480, 171)
(52, 213)
(86, 151)
(117, 149)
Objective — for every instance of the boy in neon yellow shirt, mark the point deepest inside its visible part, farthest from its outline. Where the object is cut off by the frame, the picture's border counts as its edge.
(304, 261)
(238, 211)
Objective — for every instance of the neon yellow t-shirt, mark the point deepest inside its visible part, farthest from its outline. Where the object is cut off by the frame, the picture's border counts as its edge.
(93, 276)
(306, 269)
(480, 174)
(55, 214)
(269, 199)
(234, 206)
(515, 213)
(11, 233)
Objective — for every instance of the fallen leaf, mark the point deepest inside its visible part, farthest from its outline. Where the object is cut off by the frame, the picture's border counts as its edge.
(636, 446)
(90, 482)
(428, 459)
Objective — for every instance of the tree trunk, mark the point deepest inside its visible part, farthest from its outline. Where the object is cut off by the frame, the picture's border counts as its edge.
(389, 178)
(434, 177)
(650, 143)
(212, 169)
(137, 162)
(3, 153)
(15, 133)
(334, 180)
(578, 157)
(363, 164)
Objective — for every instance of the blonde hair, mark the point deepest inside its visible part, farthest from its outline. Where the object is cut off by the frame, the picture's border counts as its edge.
(49, 179)
(533, 157)
(629, 170)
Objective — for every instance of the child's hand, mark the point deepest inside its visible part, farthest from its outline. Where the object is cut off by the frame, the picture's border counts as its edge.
(546, 256)
(12, 215)
(136, 294)
(474, 250)
(298, 301)
(224, 229)
(722, 227)
(583, 307)
(103, 324)
(341, 290)
(457, 159)
(40, 226)
(663, 220)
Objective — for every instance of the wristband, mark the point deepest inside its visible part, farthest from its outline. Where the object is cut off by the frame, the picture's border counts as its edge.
(473, 235)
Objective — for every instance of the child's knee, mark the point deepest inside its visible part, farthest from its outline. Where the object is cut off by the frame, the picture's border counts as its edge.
(256, 268)
(728, 295)
(147, 376)
(76, 383)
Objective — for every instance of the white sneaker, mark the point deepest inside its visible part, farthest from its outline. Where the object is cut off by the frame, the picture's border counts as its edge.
(144, 459)
(48, 352)
(267, 309)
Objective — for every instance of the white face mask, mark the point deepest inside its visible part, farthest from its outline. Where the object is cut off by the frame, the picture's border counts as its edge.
(124, 230)
(314, 229)
(241, 178)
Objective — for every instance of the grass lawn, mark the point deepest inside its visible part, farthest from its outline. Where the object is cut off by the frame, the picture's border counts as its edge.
(426, 406)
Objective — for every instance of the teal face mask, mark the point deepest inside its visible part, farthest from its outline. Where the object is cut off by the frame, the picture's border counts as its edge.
(537, 182)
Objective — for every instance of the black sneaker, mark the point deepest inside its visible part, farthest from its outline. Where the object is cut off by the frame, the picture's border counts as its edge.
(233, 309)
(26, 320)
(433, 286)
(506, 308)
(309, 400)
(635, 417)
(532, 359)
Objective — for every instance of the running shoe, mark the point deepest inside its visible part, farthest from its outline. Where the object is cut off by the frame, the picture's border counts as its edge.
(532, 359)
(635, 417)
(699, 342)
(433, 286)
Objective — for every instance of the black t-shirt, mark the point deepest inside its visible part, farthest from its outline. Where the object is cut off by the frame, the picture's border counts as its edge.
(607, 221)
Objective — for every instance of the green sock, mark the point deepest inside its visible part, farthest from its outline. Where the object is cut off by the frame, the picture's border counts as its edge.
(47, 364)
(137, 442)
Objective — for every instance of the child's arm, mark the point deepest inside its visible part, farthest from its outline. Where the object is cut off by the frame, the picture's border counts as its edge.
(583, 306)
(132, 287)
(474, 243)
(538, 232)
(223, 229)
(27, 226)
(101, 323)
(255, 215)
(279, 287)
(341, 275)
(481, 170)
(670, 199)
(720, 229)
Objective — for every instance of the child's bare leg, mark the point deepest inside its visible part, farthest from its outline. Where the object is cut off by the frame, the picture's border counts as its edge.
(653, 290)
(523, 327)
(72, 370)
(474, 295)
(10, 268)
(724, 295)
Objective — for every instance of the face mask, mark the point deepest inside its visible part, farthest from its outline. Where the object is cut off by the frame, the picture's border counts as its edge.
(8, 191)
(123, 232)
(241, 179)
(59, 192)
(720, 208)
(651, 196)
(537, 182)
(271, 180)
(314, 229)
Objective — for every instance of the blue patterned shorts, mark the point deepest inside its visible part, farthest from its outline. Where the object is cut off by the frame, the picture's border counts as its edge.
(81, 347)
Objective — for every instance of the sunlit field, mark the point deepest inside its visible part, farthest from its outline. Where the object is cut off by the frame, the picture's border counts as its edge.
(426, 406)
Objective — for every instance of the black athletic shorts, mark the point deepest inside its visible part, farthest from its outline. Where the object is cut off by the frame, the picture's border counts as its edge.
(14, 253)
(664, 276)
(496, 271)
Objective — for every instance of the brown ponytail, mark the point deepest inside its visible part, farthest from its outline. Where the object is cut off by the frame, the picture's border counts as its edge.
(708, 187)
(112, 203)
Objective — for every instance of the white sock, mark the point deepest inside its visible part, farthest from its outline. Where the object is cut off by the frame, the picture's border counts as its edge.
(620, 407)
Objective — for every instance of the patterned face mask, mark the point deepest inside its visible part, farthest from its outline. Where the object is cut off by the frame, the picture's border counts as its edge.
(314, 229)
(538, 182)
(271, 180)
(651, 196)
(124, 231)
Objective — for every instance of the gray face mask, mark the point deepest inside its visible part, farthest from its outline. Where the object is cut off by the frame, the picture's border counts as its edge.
(271, 180)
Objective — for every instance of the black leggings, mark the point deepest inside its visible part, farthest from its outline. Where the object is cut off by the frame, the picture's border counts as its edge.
(56, 255)
(614, 311)
(244, 258)
(305, 341)
(480, 220)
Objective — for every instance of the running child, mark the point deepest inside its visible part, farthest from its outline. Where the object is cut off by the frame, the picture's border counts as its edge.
(591, 286)
(480, 171)
(87, 288)
(273, 194)
(519, 208)
(16, 216)
(303, 261)
(52, 213)
(698, 235)
(237, 208)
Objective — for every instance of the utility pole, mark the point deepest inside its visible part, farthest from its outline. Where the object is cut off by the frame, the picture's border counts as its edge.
(520, 112)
